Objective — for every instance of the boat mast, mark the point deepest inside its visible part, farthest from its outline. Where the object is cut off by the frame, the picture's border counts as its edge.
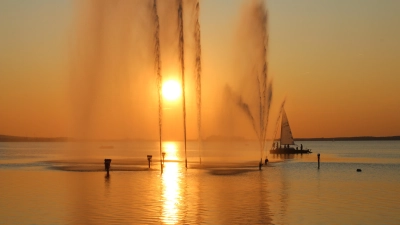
(280, 139)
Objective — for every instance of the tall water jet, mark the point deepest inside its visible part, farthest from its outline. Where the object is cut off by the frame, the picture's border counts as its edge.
(120, 46)
(197, 37)
(182, 61)
(265, 90)
(253, 48)
(157, 62)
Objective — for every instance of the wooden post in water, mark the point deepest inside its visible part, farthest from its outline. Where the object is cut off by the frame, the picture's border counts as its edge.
(163, 158)
(149, 159)
(107, 163)
(318, 159)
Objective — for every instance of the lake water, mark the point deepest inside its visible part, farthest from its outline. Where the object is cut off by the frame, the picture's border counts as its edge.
(65, 183)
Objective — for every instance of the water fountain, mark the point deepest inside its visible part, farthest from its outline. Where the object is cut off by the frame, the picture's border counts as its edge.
(157, 62)
(182, 65)
(117, 77)
(197, 36)
(256, 105)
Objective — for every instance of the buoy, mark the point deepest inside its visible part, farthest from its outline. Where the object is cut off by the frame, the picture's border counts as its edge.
(358, 170)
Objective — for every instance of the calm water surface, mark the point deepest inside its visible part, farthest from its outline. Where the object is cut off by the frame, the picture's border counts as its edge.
(65, 183)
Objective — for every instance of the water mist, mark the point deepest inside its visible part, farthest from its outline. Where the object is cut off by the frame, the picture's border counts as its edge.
(157, 62)
(182, 62)
(118, 52)
(255, 101)
(197, 37)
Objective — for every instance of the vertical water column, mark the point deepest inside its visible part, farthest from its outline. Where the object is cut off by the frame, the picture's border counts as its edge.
(265, 89)
(182, 61)
(197, 36)
(157, 62)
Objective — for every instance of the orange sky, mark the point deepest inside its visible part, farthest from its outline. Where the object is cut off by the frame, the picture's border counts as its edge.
(336, 63)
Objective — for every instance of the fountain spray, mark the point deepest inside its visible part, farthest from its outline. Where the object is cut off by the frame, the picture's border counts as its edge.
(197, 37)
(182, 61)
(257, 109)
(157, 62)
(265, 90)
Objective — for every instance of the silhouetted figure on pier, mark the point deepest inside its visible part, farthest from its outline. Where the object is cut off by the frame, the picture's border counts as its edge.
(301, 147)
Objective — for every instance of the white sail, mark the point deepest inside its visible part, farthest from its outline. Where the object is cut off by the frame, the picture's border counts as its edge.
(286, 133)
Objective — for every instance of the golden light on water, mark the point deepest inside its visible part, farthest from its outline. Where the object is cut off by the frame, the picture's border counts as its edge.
(172, 194)
(171, 181)
(171, 151)
(171, 90)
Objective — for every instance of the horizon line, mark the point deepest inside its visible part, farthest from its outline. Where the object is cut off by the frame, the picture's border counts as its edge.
(10, 138)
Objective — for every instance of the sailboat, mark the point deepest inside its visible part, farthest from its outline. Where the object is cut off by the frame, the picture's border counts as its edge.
(287, 141)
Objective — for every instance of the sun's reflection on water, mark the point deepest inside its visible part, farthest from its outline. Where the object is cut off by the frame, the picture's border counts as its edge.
(171, 150)
(171, 186)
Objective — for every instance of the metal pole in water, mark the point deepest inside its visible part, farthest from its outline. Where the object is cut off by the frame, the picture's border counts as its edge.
(318, 159)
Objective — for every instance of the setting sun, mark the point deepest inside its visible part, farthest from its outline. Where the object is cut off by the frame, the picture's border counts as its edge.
(171, 90)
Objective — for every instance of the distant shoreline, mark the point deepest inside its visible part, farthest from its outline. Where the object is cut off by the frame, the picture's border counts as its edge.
(360, 138)
(8, 138)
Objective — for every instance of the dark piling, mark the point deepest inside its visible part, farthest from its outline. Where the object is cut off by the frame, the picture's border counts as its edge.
(107, 163)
